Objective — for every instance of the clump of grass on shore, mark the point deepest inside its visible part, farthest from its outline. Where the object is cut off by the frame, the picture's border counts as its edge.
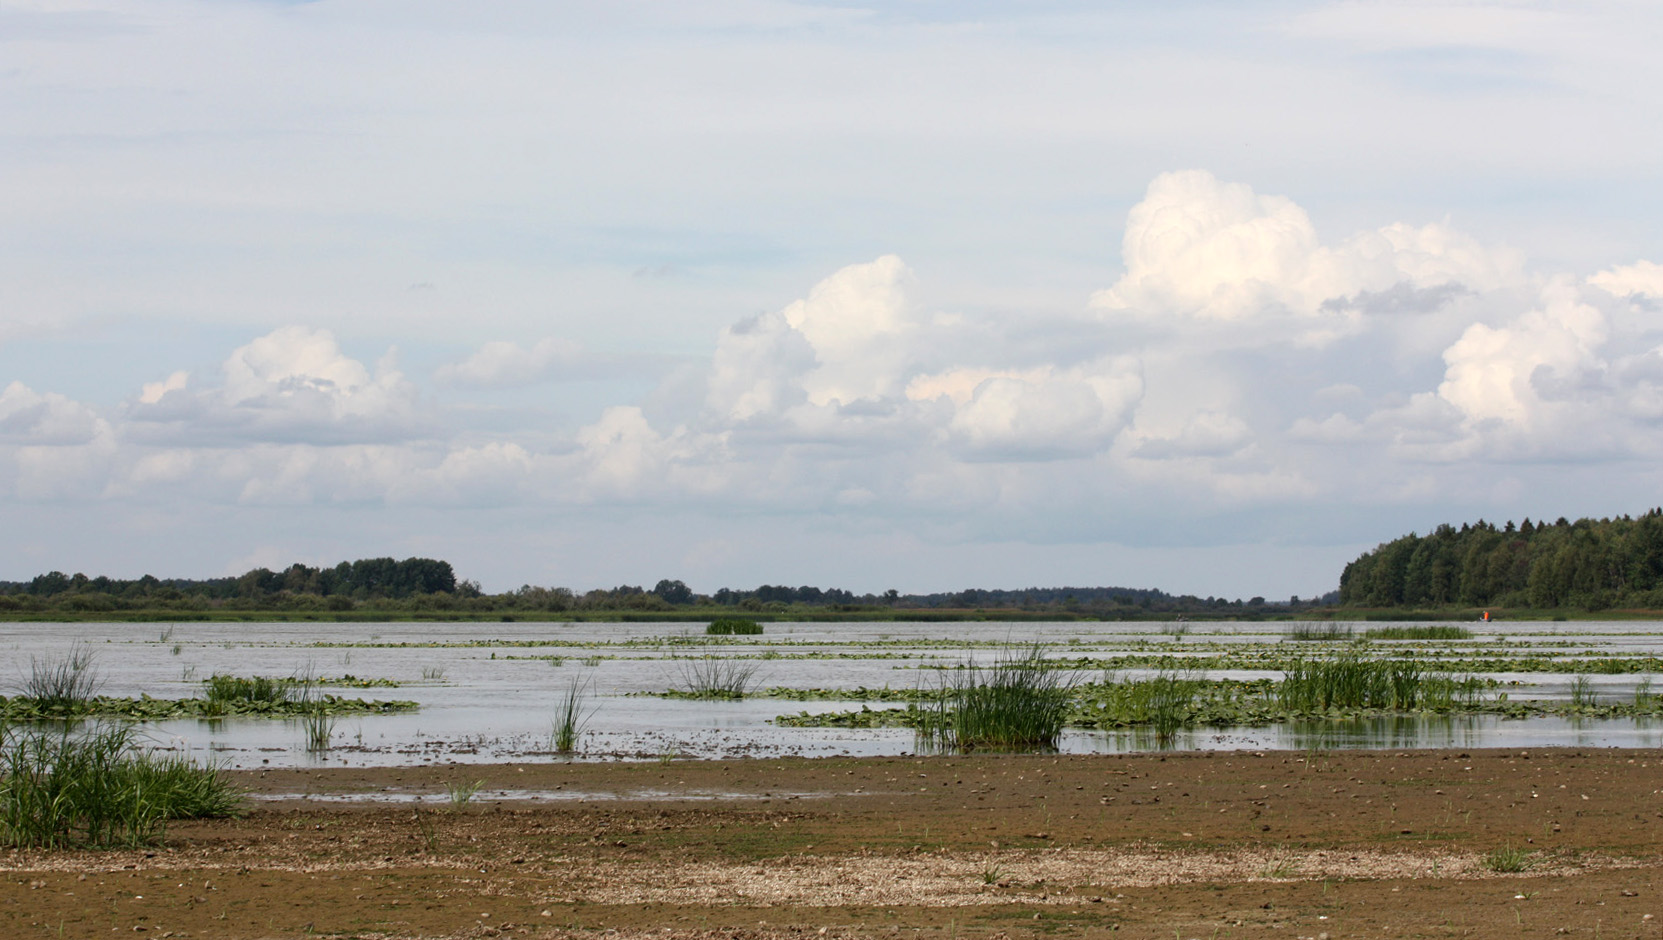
(94, 788)
(730, 626)
(1019, 703)
(1441, 631)
(1509, 860)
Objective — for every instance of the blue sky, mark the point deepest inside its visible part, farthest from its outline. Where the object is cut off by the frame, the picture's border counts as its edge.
(1206, 297)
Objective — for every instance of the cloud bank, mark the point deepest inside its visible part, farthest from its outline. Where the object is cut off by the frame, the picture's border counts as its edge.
(1241, 368)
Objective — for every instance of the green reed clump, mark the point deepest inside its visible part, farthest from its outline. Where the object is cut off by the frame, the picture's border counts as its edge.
(570, 719)
(1583, 694)
(717, 678)
(1317, 632)
(1021, 702)
(226, 692)
(1442, 631)
(64, 683)
(1351, 681)
(733, 627)
(66, 787)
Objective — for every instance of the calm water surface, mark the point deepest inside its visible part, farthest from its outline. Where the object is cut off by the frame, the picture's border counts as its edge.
(488, 691)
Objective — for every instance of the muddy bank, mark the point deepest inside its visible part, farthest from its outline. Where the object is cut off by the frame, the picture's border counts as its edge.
(1348, 844)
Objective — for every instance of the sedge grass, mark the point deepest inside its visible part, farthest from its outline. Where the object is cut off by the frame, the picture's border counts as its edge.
(1020, 703)
(1351, 681)
(570, 719)
(1583, 694)
(62, 683)
(717, 678)
(1318, 632)
(93, 787)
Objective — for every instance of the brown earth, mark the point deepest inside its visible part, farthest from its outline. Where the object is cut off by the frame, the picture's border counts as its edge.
(1221, 845)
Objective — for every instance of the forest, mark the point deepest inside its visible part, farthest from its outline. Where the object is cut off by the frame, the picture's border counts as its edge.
(1586, 565)
(425, 587)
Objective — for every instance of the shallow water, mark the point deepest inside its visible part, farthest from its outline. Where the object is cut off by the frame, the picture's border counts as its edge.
(487, 692)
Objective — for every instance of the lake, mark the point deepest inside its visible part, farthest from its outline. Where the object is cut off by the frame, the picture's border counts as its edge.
(487, 692)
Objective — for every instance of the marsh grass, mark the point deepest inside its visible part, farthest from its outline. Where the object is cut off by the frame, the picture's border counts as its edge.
(1020, 703)
(1583, 694)
(730, 626)
(317, 721)
(1350, 681)
(63, 683)
(1318, 632)
(570, 718)
(225, 692)
(1164, 703)
(66, 787)
(717, 678)
(433, 673)
(1441, 631)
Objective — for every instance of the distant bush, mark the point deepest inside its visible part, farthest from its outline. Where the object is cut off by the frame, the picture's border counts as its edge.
(729, 626)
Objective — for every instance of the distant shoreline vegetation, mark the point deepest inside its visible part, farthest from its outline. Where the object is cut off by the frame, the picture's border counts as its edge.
(1604, 569)
(427, 589)
(1590, 566)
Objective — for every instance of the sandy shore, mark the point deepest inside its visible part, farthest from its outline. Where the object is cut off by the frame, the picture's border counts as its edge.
(1226, 845)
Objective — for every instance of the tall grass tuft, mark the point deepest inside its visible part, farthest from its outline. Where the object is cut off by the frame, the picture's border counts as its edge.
(93, 787)
(317, 723)
(62, 684)
(1164, 702)
(570, 719)
(730, 626)
(717, 678)
(1019, 703)
(1583, 694)
(1352, 681)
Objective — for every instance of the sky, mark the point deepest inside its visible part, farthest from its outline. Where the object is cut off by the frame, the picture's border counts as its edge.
(1202, 296)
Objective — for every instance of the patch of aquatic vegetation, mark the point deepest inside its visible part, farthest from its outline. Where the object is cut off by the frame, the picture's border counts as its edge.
(733, 626)
(1441, 631)
(1175, 700)
(144, 708)
(1279, 659)
(1020, 703)
(1318, 632)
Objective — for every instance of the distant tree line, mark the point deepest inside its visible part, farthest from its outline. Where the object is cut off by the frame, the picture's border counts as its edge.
(298, 586)
(1589, 564)
(425, 586)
